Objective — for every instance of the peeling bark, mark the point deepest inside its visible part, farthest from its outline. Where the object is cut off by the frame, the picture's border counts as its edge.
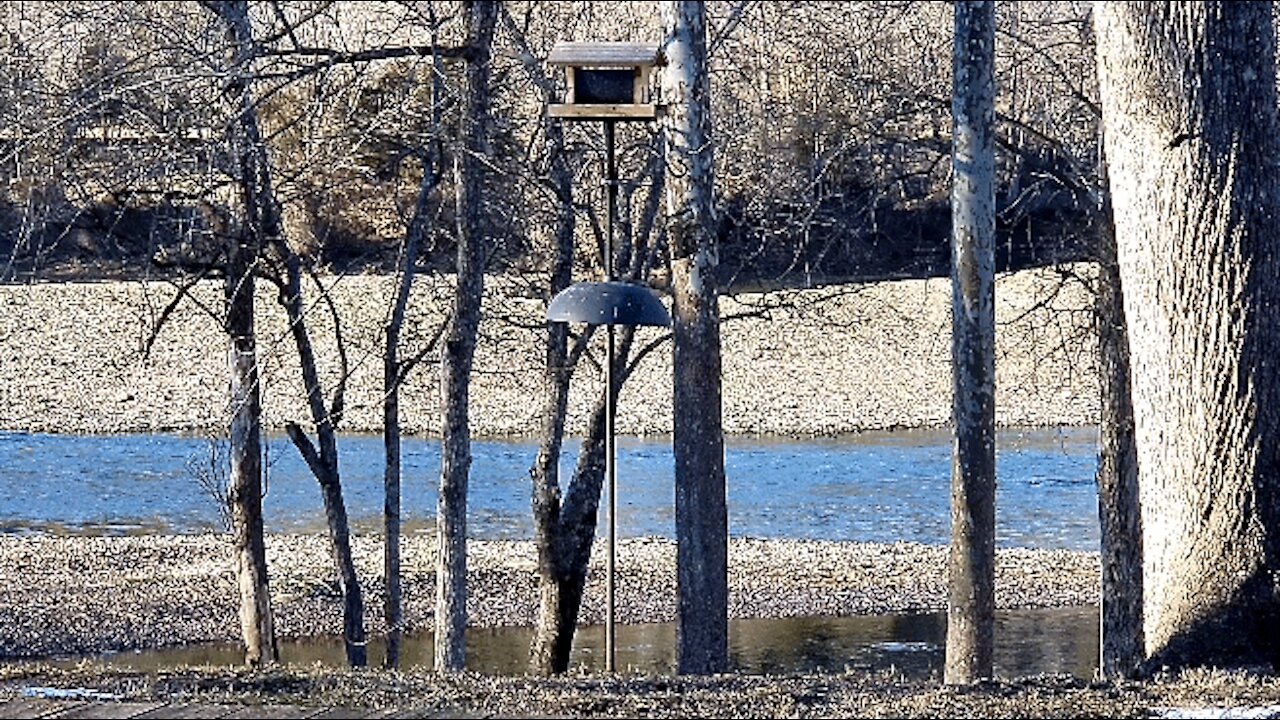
(971, 563)
(245, 492)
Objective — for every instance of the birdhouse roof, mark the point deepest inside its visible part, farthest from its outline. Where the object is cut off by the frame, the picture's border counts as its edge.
(604, 54)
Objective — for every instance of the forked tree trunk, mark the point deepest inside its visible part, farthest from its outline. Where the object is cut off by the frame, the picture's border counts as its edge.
(971, 565)
(702, 533)
(323, 462)
(245, 491)
(1119, 514)
(558, 602)
(458, 348)
(1193, 150)
(562, 572)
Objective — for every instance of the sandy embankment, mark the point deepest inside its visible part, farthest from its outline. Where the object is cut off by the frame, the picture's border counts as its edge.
(813, 362)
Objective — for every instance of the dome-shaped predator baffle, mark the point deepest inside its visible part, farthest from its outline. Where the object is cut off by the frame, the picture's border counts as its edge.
(608, 303)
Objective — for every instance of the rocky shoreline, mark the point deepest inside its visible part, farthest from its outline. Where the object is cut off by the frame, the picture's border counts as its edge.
(74, 358)
(77, 595)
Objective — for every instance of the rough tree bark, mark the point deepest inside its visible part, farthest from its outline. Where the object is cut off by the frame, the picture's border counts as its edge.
(458, 349)
(245, 492)
(702, 619)
(1193, 151)
(971, 564)
(1119, 514)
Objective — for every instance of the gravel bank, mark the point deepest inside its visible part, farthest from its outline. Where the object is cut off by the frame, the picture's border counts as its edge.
(93, 594)
(812, 362)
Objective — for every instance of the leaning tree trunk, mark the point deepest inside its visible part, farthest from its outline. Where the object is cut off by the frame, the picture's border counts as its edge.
(1119, 513)
(1193, 150)
(459, 346)
(256, 621)
(971, 580)
(702, 535)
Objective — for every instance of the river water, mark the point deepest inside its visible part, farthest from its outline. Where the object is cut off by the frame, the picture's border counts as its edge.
(881, 487)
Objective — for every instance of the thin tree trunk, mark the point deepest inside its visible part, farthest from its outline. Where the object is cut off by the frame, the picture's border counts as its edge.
(1119, 514)
(256, 620)
(392, 602)
(702, 620)
(459, 347)
(393, 375)
(256, 623)
(324, 465)
(1192, 140)
(971, 564)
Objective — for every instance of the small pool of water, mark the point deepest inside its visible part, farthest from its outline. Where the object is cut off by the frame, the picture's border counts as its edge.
(1028, 642)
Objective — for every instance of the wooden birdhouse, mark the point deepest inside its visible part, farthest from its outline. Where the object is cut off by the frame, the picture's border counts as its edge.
(606, 80)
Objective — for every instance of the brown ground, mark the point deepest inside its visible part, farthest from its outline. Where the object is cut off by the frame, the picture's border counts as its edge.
(859, 694)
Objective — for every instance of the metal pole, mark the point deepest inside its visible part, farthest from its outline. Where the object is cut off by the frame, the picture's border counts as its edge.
(610, 642)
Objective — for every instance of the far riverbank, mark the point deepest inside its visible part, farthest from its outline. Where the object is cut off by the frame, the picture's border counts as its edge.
(827, 361)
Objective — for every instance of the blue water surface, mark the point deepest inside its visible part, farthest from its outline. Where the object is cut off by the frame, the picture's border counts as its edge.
(880, 487)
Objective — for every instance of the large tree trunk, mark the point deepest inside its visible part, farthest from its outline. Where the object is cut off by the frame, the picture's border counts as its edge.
(702, 536)
(256, 621)
(1119, 513)
(971, 580)
(459, 346)
(1193, 150)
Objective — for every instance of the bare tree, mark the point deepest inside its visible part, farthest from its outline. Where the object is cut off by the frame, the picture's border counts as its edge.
(277, 259)
(395, 369)
(1192, 145)
(459, 345)
(971, 578)
(244, 243)
(702, 532)
(559, 586)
